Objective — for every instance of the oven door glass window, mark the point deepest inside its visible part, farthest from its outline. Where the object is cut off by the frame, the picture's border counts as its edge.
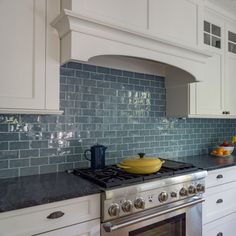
(175, 226)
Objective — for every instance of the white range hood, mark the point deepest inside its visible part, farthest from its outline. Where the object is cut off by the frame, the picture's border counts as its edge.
(83, 38)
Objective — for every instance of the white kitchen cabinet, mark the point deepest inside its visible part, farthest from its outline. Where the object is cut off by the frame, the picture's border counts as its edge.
(132, 14)
(209, 92)
(219, 202)
(174, 21)
(208, 97)
(219, 208)
(200, 99)
(212, 96)
(75, 217)
(222, 227)
(230, 68)
(29, 57)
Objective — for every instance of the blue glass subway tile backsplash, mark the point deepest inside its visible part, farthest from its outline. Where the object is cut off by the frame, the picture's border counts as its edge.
(123, 110)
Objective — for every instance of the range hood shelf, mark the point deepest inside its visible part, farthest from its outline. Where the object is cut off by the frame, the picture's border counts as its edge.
(83, 38)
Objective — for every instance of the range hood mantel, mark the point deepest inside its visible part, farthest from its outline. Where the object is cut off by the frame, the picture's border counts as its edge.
(83, 38)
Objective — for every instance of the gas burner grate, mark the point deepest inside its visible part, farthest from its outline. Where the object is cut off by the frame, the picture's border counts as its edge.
(113, 176)
(179, 167)
(110, 176)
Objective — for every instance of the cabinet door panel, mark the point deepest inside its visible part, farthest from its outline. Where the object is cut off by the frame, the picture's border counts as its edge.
(230, 69)
(209, 91)
(112, 11)
(90, 228)
(230, 85)
(34, 220)
(174, 20)
(219, 201)
(22, 59)
(225, 226)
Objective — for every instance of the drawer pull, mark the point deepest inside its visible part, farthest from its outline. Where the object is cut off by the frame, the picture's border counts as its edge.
(219, 201)
(219, 176)
(220, 234)
(55, 215)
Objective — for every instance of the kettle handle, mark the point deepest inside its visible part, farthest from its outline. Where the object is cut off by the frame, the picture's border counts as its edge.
(85, 154)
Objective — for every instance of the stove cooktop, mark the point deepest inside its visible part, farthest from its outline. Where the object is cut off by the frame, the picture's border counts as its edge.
(112, 176)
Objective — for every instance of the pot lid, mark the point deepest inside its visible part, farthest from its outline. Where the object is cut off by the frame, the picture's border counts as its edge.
(141, 161)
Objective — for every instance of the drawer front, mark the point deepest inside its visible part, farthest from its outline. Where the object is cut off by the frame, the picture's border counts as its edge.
(51, 216)
(90, 228)
(220, 176)
(223, 227)
(219, 201)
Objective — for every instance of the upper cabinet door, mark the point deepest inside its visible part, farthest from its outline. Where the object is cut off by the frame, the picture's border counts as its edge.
(174, 20)
(230, 70)
(29, 58)
(131, 14)
(209, 91)
(22, 46)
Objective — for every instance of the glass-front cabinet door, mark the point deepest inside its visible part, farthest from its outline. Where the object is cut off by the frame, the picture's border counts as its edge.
(232, 42)
(212, 34)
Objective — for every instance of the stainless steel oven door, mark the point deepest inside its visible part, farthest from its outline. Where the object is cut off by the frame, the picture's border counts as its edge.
(176, 219)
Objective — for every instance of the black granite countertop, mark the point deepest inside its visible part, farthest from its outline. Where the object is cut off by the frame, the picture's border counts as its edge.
(22, 192)
(208, 162)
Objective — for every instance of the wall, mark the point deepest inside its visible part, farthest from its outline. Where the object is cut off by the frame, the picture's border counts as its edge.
(120, 109)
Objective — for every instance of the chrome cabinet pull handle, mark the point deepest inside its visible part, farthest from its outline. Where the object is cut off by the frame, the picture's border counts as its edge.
(220, 234)
(55, 215)
(219, 200)
(219, 176)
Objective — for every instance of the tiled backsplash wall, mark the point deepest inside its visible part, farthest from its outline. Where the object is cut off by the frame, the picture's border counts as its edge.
(122, 110)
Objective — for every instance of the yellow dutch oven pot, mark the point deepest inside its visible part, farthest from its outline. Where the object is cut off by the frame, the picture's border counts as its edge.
(141, 165)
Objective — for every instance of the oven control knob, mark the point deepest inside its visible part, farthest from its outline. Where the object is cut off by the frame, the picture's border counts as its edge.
(139, 203)
(114, 209)
(183, 192)
(127, 206)
(163, 197)
(200, 188)
(191, 189)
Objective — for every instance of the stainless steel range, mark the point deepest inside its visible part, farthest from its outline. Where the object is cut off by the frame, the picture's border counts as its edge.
(167, 203)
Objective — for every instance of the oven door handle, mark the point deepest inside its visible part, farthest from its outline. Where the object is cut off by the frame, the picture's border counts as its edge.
(109, 226)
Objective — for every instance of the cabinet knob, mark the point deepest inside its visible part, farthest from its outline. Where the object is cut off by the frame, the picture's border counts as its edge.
(220, 234)
(219, 201)
(220, 176)
(55, 215)
(224, 112)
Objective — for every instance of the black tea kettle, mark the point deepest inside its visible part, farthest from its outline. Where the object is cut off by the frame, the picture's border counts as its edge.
(97, 156)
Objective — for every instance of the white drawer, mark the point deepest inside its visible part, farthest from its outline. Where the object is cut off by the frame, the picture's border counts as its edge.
(34, 220)
(225, 226)
(219, 201)
(221, 176)
(90, 228)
